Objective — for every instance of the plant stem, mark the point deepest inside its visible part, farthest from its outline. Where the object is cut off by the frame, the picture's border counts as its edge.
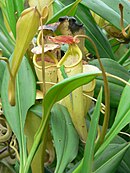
(124, 57)
(118, 78)
(8, 66)
(43, 62)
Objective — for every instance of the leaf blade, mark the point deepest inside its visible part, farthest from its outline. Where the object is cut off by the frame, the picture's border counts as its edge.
(121, 120)
(25, 97)
(90, 143)
(66, 139)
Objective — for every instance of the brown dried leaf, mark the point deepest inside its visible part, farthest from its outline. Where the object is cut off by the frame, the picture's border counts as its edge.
(47, 47)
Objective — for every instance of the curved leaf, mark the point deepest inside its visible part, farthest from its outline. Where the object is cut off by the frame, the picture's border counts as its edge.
(116, 86)
(105, 7)
(25, 98)
(94, 33)
(121, 120)
(54, 94)
(63, 88)
(109, 161)
(5, 44)
(11, 18)
(66, 139)
(90, 143)
(37, 109)
(67, 10)
(124, 166)
(57, 6)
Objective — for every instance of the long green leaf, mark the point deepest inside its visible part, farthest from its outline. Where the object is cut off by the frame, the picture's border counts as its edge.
(56, 93)
(66, 139)
(67, 10)
(90, 143)
(11, 18)
(105, 7)
(121, 120)
(110, 158)
(6, 46)
(25, 98)
(3, 29)
(124, 166)
(94, 33)
(116, 86)
(6, 42)
(19, 7)
(57, 6)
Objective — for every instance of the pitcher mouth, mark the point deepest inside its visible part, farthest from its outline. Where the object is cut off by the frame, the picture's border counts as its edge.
(75, 60)
(49, 62)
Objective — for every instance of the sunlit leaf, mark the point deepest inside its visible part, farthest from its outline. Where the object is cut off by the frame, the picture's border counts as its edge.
(68, 10)
(27, 26)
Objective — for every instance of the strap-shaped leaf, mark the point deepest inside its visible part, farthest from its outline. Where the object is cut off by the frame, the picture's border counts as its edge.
(66, 139)
(105, 7)
(110, 158)
(56, 93)
(121, 120)
(125, 163)
(116, 86)
(25, 98)
(90, 143)
(67, 10)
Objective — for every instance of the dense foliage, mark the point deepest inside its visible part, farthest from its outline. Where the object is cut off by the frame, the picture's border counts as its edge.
(64, 86)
